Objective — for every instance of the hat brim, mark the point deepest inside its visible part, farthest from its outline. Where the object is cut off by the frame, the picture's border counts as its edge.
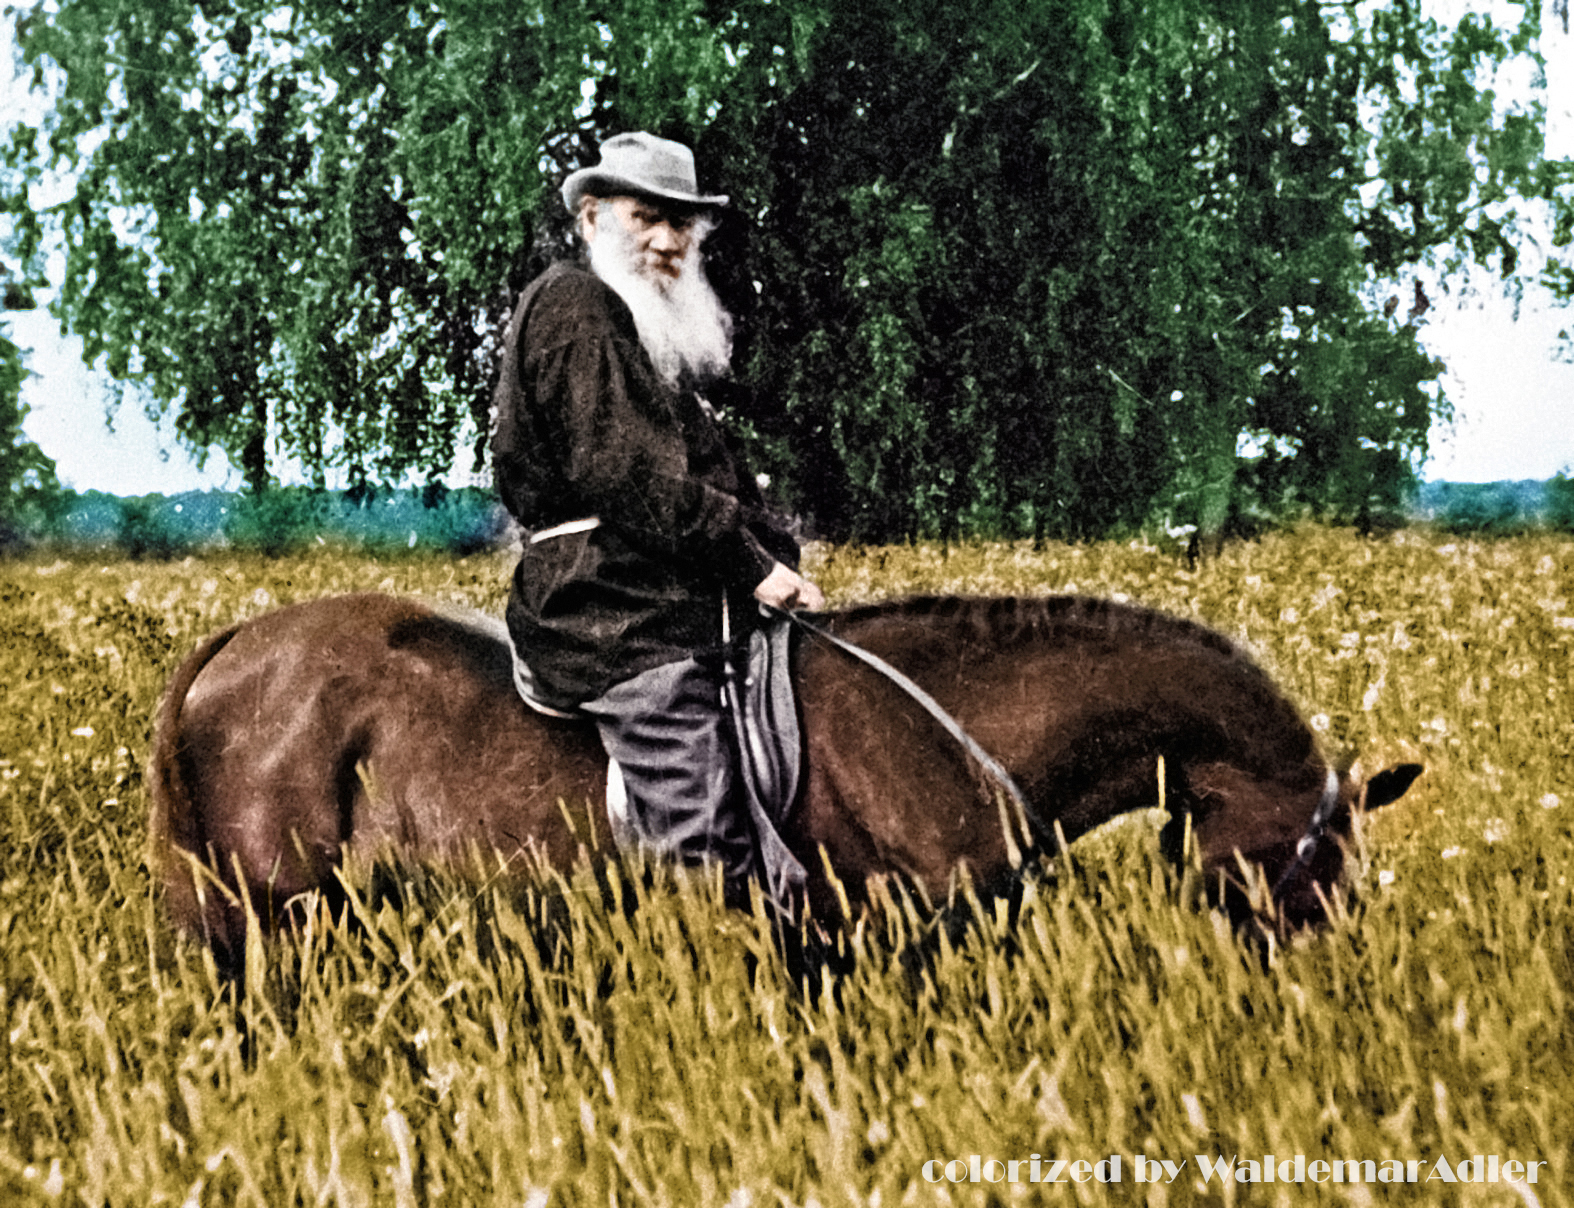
(595, 182)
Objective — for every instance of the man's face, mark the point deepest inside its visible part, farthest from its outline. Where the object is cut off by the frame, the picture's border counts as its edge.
(649, 254)
(659, 237)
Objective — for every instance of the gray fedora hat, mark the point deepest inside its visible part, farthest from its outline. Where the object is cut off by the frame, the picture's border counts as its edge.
(642, 165)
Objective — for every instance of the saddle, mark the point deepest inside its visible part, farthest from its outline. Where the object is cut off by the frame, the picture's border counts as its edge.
(770, 744)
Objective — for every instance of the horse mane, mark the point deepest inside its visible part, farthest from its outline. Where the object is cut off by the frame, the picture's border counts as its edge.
(1220, 676)
(926, 626)
(1004, 622)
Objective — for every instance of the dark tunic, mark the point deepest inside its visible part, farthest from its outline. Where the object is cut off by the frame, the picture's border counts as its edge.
(585, 427)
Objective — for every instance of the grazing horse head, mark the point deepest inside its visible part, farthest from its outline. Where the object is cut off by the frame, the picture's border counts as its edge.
(353, 724)
(1266, 866)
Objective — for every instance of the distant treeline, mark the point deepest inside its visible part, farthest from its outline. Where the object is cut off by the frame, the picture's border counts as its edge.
(468, 520)
(278, 521)
(1498, 507)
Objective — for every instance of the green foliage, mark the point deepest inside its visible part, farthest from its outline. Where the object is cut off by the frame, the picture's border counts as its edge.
(1494, 508)
(276, 522)
(149, 529)
(291, 519)
(283, 520)
(1020, 268)
(520, 1041)
(1560, 502)
(29, 490)
(1497, 508)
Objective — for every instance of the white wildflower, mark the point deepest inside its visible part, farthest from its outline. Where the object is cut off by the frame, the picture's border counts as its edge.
(1373, 691)
(1549, 801)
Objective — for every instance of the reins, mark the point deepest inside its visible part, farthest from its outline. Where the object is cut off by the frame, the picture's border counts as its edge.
(1033, 823)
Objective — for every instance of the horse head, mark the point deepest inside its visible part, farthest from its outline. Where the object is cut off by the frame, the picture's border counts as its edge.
(1277, 856)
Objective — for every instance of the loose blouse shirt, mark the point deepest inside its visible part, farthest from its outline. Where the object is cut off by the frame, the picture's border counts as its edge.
(586, 428)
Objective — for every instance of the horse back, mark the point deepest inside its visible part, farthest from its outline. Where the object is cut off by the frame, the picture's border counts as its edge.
(354, 724)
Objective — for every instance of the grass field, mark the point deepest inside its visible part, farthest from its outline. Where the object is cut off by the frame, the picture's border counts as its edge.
(434, 1057)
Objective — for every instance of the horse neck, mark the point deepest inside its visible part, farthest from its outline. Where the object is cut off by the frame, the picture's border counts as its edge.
(1078, 698)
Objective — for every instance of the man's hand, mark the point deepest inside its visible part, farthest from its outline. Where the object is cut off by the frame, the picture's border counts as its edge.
(786, 588)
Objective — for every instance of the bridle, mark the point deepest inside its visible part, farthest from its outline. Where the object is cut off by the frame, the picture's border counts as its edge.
(1306, 848)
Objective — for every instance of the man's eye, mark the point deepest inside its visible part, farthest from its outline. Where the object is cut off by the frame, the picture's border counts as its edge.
(649, 218)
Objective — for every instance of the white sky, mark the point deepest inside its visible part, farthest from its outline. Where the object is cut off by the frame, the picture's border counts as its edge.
(1514, 401)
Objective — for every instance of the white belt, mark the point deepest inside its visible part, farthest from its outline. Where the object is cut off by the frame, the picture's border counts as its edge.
(563, 530)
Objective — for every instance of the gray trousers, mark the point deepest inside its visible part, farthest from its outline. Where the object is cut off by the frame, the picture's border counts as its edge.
(668, 730)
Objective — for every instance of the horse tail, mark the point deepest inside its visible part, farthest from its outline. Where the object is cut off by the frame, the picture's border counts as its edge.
(176, 834)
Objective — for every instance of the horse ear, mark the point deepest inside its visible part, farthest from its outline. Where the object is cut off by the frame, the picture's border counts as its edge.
(1389, 785)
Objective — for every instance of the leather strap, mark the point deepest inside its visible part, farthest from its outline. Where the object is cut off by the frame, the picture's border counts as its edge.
(563, 530)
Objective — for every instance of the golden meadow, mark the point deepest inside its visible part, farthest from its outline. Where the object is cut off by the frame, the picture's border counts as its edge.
(429, 1052)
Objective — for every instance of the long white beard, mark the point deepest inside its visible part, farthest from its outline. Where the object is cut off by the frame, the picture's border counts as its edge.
(682, 324)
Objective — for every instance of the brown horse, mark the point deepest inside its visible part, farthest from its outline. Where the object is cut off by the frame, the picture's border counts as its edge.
(355, 723)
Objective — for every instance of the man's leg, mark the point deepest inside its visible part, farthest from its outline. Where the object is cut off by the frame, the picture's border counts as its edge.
(668, 731)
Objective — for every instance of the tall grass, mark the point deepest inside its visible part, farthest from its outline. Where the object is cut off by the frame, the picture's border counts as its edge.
(471, 1040)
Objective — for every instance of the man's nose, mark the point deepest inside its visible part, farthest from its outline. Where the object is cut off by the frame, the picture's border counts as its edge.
(664, 237)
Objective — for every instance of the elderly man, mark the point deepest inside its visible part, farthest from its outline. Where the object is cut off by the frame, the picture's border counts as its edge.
(643, 530)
